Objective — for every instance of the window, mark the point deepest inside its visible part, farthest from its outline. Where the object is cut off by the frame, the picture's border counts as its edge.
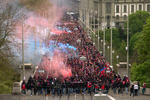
(140, 7)
(125, 17)
(117, 17)
(132, 8)
(117, 9)
(108, 7)
(148, 8)
(125, 9)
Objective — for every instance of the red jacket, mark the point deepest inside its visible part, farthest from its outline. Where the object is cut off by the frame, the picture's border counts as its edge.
(103, 87)
(89, 84)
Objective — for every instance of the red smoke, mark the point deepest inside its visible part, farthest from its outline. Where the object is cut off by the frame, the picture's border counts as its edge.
(55, 66)
(39, 23)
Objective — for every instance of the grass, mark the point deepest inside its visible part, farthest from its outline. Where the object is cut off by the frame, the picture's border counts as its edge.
(7, 76)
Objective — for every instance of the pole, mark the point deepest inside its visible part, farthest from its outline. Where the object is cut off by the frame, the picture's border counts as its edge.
(95, 27)
(128, 46)
(104, 39)
(93, 20)
(98, 26)
(23, 51)
(111, 43)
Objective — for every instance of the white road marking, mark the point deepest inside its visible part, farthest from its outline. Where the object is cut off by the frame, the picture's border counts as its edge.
(75, 97)
(110, 97)
(46, 97)
(100, 95)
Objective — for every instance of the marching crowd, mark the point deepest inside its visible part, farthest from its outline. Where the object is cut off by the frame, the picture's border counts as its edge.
(89, 76)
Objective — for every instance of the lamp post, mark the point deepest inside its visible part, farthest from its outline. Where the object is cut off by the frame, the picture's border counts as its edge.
(104, 26)
(108, 53)
(94, 44)
(117, 58)
(111, 44)
(98, 42)
(102, 44)
(96, 39)
(127, 48)
(23, 49)
(98, 25)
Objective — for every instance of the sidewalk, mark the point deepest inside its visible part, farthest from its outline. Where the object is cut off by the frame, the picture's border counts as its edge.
(128, 97)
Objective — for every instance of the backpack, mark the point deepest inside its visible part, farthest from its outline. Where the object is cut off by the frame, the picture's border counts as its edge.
(23, 87)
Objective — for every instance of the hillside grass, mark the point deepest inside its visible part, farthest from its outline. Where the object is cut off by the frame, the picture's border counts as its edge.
(7, 76)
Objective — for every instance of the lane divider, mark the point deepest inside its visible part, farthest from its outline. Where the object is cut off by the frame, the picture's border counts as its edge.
(110, 97)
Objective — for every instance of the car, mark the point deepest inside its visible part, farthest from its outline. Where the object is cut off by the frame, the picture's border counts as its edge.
(16, 90)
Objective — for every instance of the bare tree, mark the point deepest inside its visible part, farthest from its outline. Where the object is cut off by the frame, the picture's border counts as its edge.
(7, 23)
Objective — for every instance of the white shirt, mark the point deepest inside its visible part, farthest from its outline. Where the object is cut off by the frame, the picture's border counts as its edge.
(136, 87)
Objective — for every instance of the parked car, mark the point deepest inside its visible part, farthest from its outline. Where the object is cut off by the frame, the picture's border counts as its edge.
(16, 90)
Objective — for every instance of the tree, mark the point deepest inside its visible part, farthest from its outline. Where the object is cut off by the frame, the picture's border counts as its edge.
(36, 5)
(143, 43)
(7, 22)
(136, 21)
(141, 70)
(133, 50)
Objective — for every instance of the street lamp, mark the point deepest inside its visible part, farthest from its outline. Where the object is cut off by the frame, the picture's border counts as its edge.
(127, 48)
(108, 52)
(98, 41)
(117, 62)
(113, 51)
(23, 49)
(112, 25)
(117, 58)
(93, 43)
(104, 26)
(96, 37)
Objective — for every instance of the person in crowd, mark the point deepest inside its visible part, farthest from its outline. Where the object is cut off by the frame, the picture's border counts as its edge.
(23, 87)
(35, 87)
(136, 89)
(48, 86)
(89, 86)
(114, 86)
(30, 85)
(132, 90)
(144, 88)
(138, 92)
(127, 84)
(45, 87)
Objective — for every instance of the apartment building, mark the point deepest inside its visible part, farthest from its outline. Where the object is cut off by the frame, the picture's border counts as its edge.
(109, 13)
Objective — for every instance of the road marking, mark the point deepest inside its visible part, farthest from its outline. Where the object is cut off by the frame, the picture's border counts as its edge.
(75, 97)
(110, 97)
(46, 97)
(100, 95)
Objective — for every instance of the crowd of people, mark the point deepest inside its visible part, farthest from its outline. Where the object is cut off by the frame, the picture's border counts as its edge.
(88, 76)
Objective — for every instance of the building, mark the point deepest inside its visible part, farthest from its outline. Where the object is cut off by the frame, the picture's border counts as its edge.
(107, 13)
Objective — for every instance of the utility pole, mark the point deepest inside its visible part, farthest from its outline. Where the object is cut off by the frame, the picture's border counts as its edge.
(111, 23)
(98, 26)
(104, 38)
(23, 50)
(128, 46)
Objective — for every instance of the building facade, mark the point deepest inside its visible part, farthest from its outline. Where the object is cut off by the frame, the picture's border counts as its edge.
(107, 13)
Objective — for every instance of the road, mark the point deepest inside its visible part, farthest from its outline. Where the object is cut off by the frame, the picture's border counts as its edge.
(66, 97)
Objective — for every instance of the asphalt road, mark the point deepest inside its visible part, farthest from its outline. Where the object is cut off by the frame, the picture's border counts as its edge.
(65, 97)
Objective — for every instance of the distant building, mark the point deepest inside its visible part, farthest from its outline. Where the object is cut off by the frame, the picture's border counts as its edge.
(111, 12)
